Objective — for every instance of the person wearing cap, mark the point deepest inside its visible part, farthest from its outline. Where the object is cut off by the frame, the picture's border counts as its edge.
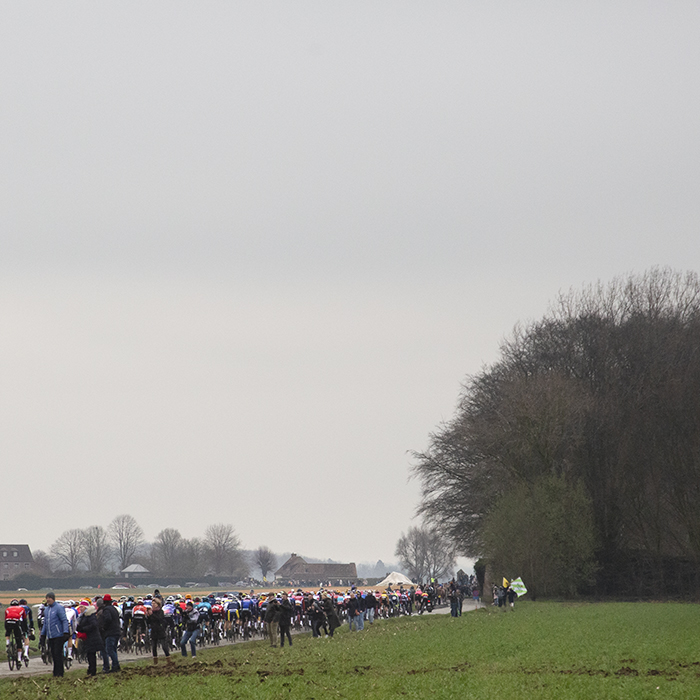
(55, 629)
(108, 621)
(92, 643)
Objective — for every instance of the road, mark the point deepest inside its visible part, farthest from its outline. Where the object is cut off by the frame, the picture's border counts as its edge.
(38, 667)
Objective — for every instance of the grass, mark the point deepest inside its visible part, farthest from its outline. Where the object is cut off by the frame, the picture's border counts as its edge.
(542, 650)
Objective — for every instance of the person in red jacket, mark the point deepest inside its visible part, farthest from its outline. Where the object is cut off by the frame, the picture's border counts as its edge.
(16, 623)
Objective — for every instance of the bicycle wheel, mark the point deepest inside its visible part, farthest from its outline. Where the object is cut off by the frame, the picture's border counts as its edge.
(11, 656)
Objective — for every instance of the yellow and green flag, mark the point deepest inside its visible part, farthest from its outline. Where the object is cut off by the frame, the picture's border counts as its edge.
(518, 586)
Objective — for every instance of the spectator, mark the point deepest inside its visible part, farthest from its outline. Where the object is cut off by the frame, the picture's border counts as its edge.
(190, 618)
(370, 606)
(157, 622)
(286, 612)
(55, 629)
(108, 621)
(272, 620)
(315, 613)
(331, 614)
(353, 609)
(92, 643)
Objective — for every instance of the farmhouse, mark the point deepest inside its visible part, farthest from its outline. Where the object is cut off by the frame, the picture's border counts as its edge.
(135, 571)
(297, 571)
(15, 559)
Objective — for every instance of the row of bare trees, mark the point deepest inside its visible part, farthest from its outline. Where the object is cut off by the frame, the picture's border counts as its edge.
(579, 449)
(97, 550)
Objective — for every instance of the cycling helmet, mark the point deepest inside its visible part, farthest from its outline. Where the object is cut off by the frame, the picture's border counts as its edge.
(14, 601)
(22, 601)
(131, 598)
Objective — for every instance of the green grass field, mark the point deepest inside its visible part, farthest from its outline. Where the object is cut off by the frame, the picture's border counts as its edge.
(541, 650)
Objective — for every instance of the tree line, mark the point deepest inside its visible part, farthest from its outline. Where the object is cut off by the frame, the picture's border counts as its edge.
(97, 550)
(574, 460)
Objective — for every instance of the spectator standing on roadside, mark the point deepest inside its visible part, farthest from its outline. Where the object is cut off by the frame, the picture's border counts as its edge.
(370, 606)
(272, 620)
(315, 613)
(286, 613)
(159, 626)
(353, 609)
(55, 630)
(454, 600)
(190, 618)
(87, 625)
(108, 621)
(331, 614)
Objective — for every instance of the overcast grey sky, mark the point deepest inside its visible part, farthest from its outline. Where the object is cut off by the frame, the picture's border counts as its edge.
(249, 251)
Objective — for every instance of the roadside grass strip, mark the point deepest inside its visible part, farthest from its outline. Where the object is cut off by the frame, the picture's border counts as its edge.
(540, 650)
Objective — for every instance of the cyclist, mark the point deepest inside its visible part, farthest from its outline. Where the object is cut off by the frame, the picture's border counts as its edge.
(138, 614)
(217, 615)
(232, 613)
(30, 626)
(169, 614)
(127, 608)
(16, 624)
(72, 618)
(204, 609)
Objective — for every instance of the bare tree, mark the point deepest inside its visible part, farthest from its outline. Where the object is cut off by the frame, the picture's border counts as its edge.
(167, 550)
(69, 549)
(126, 536)
(440, 555)
(192, 560)
(42, 563)
(410, 549)
(222, 544)
(265, 560)
(96, 548)
(425, 553)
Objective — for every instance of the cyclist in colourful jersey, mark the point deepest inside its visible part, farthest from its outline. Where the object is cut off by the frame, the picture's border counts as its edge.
(16, 624)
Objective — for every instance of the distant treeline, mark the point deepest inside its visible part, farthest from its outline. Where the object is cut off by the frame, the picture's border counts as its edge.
(574, 461)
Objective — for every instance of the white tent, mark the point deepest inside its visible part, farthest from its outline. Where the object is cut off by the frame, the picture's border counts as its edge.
(395, 579)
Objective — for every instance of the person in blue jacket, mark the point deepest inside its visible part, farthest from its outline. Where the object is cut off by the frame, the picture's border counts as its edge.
(55, 630)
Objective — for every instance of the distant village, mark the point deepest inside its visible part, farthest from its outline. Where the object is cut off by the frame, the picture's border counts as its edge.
(18, 568)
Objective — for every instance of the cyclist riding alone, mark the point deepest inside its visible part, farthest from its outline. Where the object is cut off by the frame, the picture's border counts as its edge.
(16, 624)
